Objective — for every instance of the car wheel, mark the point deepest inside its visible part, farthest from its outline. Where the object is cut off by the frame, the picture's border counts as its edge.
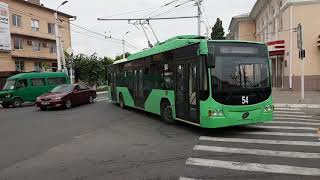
(166, 112)
(121, 101)
(17, 102)
(91, 100)
(68, 104)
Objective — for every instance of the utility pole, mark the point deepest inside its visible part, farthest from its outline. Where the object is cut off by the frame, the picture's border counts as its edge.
(302, 55)
(59, 48)
(124, 45)
(199, 16)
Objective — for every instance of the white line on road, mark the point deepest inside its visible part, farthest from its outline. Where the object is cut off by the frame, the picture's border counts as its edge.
(294, 122)
(259, 152)
(185, 178)
(292, 115)
(260, 141)
(285, 127)
(288, 112)
(280, 134)
(101, 99)
(288, 109)
(299, 119)
(256, 167)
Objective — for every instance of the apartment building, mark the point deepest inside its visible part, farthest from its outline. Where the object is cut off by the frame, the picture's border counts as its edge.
(275, 22)
(28, 37)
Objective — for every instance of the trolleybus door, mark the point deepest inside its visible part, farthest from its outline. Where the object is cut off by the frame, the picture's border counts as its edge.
(113, 87)
(138, 87)
(187, 91)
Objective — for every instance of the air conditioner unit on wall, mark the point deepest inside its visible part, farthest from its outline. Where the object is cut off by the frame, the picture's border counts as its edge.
(29, 42)
(45, 44)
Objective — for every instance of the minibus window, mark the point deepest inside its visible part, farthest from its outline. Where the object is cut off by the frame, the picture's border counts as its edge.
(22, 83)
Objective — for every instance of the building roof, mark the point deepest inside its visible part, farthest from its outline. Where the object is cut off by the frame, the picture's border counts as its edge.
(239, 18)
(45, 8)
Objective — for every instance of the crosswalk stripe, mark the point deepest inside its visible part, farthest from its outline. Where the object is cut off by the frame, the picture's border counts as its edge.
(299, 119)
(256, 167)
(292, 115)
(99, 100)
(185, 178)
(289, 112)
(285, 127)
(294, 122)
(280, 134)
(260, 141)
(288, 109)
(258, 152)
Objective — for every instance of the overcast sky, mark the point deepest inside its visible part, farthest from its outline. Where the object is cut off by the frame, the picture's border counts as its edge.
(87, 13)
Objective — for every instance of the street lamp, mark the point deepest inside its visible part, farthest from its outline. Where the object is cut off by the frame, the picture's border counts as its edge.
(123, 44)
(59, 49)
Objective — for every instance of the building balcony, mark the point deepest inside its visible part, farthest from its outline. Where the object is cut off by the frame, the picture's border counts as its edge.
(33, 55)
(29, 33)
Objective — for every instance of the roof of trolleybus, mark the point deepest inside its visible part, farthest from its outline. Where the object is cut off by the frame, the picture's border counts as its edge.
(179, 42)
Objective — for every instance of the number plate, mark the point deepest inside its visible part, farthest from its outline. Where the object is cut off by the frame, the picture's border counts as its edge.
(45, 103)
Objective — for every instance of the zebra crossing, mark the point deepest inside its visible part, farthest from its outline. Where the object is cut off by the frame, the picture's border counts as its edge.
(288, 146)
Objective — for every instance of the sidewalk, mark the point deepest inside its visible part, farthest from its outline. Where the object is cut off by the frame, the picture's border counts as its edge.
(292, 99)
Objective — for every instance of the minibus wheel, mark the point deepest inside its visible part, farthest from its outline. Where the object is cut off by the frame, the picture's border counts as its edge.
(17, 102)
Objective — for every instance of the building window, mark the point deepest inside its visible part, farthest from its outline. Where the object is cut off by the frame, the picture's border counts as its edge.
(34, 25)
(16, 20)
(36, 46)
(51, 28)
(38, 66)
(19, 65)
(17, 43)
(52, 48)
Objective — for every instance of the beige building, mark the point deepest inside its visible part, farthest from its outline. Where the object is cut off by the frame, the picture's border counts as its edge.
(29, 26)
(275, 22)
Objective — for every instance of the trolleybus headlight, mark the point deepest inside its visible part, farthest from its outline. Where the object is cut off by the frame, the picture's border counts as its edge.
(269, 108)
(8, 96)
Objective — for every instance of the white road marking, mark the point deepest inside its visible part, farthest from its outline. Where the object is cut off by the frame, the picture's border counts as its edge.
(288, 109)
(280, 134)
(288, 112)
(256, 167)
(259, 152)
(292, 115)
(185, 178)
(99, 100)
(260, 141)
(285, 127)
(299, 119)
(294, 122)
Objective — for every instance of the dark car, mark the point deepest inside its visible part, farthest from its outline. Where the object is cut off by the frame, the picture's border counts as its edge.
(66, 96)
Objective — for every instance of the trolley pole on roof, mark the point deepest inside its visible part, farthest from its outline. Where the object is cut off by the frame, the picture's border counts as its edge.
(199, 16)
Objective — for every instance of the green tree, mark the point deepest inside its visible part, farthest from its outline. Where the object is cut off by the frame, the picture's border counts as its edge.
(217, 31)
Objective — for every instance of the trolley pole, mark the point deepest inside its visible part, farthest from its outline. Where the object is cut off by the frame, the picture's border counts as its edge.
(199, 16)
(124, 45)
(302, 55)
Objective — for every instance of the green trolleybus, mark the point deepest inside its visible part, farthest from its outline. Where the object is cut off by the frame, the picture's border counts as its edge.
(206, 83)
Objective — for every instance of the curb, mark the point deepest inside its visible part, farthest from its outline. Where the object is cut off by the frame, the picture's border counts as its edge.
(103, 92)
(304, 106)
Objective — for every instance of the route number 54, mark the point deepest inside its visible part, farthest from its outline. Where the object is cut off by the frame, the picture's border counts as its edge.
(245, 100)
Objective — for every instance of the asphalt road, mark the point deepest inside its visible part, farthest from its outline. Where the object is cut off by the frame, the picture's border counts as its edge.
(102, 141)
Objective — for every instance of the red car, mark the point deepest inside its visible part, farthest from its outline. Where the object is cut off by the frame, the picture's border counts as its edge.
(66, 96)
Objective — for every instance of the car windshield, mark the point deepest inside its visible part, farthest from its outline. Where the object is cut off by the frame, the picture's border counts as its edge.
(10, 84)
(62, 89)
